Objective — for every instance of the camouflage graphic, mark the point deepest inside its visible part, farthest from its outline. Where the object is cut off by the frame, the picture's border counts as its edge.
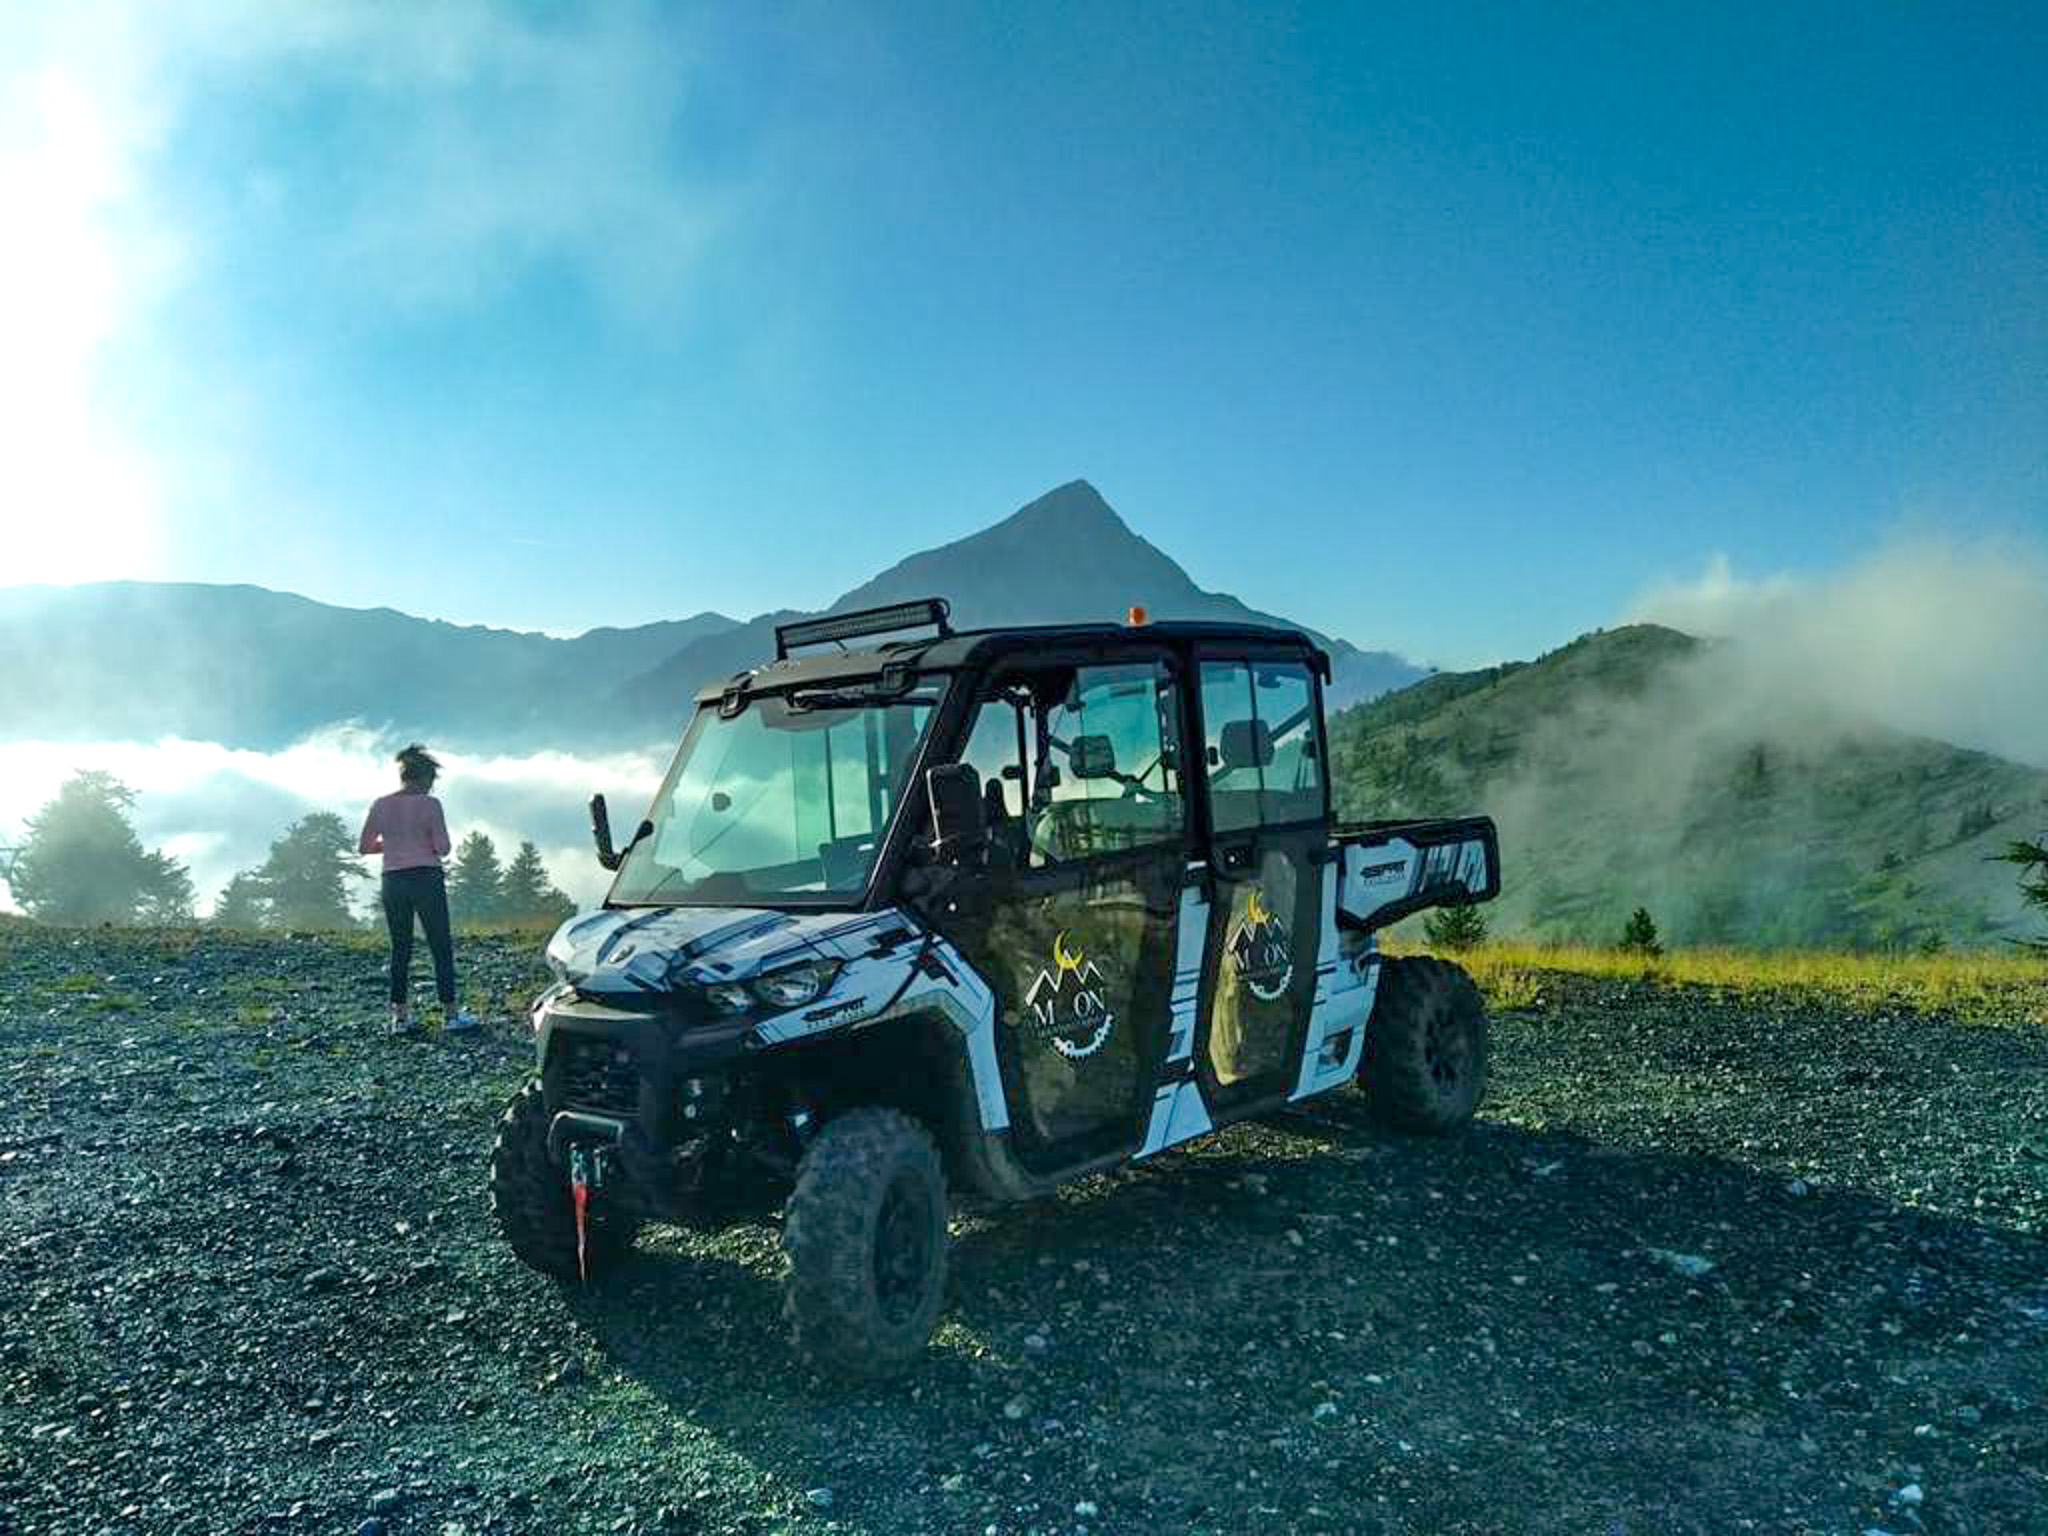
(1254, 1010)
(1066, 969)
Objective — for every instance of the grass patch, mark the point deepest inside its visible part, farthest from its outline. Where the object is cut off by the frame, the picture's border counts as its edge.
(1962, 981)
(259, 987)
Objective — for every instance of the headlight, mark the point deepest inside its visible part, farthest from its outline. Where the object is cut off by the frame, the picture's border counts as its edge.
(795, 985)
(729, 997)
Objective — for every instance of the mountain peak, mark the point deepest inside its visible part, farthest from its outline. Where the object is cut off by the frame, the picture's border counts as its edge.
(1076, 507)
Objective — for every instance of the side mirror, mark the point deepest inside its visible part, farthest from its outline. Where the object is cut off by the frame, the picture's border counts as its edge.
(601, 833)
(959, 815)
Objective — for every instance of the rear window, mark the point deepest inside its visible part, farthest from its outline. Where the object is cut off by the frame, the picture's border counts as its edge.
(1263, 749)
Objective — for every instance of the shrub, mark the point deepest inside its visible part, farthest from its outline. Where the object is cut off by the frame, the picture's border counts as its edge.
(1455, 928)
(1639, 934)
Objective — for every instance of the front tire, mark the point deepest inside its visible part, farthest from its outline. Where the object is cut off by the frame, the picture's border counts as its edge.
(530, 1198)
(865, 1231)
(1425, 1048)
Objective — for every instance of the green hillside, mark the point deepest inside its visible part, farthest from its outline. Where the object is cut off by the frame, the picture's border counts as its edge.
(1640, 766)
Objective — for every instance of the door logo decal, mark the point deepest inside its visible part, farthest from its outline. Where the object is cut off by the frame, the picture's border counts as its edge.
(1262, 950)
(1068, 1003)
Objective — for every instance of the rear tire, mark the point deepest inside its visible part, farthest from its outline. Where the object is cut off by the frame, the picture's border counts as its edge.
(865, 1231)
(1425, 1048)
(530, 1198)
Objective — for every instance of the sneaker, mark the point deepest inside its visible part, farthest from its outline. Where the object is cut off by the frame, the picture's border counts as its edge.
(400, 1023)
(461, 1022)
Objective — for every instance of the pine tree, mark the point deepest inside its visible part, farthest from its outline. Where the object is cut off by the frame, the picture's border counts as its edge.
(306, 876)
(528, 895)
(82, 863)
(166, 893)
(2032, 859)
(243, 903)
(1455, 928)
(476, 882)
(1640, 934)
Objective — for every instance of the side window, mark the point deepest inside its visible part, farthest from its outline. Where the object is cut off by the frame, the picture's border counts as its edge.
(1293, 780)
(1108, 777)
(998, 748)
(1263, 749)
(1078, 761)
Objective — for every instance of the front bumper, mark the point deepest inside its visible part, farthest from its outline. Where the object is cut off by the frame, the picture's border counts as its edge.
(653, 1086)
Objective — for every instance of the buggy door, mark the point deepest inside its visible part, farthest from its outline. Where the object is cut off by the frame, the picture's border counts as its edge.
(1269, 827)
(1087, 830)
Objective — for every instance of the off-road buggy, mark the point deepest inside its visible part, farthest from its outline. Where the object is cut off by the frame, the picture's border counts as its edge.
(985, 911)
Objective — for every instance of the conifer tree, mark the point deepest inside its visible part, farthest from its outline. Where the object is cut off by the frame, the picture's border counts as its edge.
(1640, 933)
(528, 895)
(243, 904)
(2032, 859)
(81, 862)
(476, 882)
(305, 879)
(1455, 928)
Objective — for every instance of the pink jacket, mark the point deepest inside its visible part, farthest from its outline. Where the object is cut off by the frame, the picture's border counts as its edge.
(408, 829)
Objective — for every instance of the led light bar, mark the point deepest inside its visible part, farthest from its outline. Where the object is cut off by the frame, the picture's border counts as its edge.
(932, 611)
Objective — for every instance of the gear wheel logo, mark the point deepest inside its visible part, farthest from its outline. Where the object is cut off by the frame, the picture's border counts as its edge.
(1068, 1003)
(1262, 950)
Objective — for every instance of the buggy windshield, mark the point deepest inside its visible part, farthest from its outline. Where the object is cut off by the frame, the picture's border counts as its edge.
(787, 800)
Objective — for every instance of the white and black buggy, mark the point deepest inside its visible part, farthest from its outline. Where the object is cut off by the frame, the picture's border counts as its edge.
(981, 911)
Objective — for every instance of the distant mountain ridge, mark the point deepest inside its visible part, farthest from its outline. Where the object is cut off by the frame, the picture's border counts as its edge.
(248, 667)
(1640, 766)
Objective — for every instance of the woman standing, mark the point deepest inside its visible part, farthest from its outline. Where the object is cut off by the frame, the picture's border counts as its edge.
(409, 830)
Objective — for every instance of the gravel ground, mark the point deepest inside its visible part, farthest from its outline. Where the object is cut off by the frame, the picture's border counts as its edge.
(1709, 1263)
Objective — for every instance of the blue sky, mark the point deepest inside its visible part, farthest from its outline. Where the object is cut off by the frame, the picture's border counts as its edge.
(1449, 333)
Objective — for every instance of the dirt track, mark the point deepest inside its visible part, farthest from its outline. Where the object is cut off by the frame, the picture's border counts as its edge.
(250, 1284)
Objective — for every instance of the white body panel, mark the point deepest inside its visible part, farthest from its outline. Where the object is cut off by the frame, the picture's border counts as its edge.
(1347, 975)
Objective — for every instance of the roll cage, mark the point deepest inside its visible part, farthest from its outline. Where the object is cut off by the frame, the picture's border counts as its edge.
(968, 661)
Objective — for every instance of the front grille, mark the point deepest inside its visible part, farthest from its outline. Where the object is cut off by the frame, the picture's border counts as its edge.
(599, 1075)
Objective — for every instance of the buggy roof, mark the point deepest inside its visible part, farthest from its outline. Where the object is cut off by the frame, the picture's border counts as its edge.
(975, 647)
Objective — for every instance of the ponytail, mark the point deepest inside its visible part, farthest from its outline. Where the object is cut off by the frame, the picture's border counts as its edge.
(417, 767)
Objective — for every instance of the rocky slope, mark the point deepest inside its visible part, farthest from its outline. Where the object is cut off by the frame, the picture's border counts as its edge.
(1709, 1263)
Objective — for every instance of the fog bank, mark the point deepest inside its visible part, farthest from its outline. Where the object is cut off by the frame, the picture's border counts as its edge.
(1936, 637)
(217, 808)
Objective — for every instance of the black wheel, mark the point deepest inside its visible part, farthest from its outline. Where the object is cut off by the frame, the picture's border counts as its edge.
(1425, 1048)
(865, 1231)
(530, 1198)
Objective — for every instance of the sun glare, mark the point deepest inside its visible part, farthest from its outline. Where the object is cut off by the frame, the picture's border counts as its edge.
(75, 497)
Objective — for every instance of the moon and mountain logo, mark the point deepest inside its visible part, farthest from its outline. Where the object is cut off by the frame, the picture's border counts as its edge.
(1262, 950)
(1067, 1004)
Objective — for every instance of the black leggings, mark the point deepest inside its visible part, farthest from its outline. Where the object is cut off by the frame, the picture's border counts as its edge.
(422, 893)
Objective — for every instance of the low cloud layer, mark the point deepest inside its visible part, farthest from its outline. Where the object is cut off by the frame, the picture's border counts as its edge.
(217, 808)
(1762, 787)
(1933, 637)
